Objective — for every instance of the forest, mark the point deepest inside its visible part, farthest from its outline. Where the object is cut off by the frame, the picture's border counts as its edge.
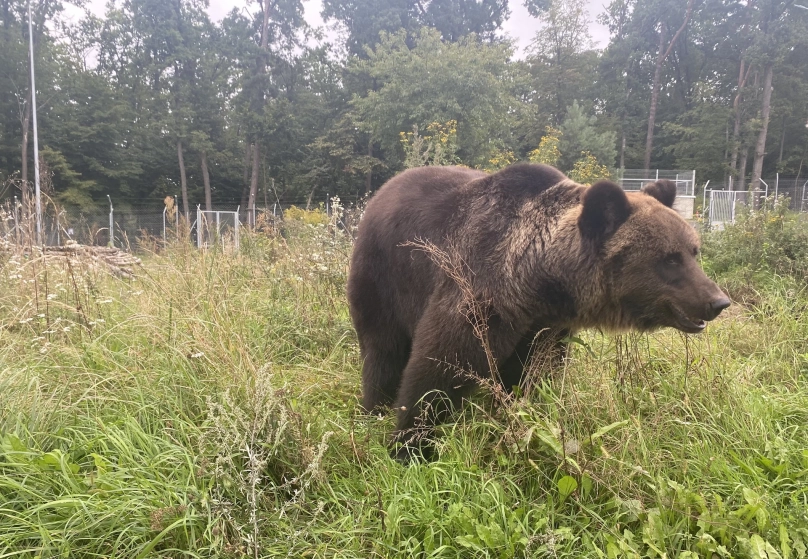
(155, 99)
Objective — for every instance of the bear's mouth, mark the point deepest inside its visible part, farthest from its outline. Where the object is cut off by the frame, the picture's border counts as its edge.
(687, 324)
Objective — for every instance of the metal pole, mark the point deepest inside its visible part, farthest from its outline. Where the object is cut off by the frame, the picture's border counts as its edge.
(776, 185)
(16, 223)
(111, 225)
(36, 138)
(237, 224)
(198, 227)
(164, 224)
(176, 217)
(704, 197)
(217, 228)
(733, 199)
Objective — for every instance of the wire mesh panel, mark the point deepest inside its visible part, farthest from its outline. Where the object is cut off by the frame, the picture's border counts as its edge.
(723, 206)
(633, 179)
(793, 188)
(217, 228)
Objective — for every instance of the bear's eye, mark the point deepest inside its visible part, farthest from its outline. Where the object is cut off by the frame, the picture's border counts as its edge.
(673, 259)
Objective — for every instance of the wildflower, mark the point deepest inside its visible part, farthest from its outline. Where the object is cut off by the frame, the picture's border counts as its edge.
(51, 296)
(197, 355)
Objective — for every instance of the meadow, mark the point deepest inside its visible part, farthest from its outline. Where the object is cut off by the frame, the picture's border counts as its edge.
(209, 408)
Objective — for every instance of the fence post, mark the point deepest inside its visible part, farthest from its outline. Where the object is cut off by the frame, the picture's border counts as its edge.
(703, 198)
(733, 199)
(164, 225)
(217, 228)
(111, 224)
(198, 227)
(16, 222)
(776, 186)
(237, 225)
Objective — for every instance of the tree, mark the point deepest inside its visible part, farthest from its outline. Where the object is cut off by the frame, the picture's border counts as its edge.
(437, 81)
(579, 134)
(561, 61)
(664, 50)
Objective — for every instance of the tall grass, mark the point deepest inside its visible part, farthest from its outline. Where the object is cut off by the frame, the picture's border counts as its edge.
(209, 408)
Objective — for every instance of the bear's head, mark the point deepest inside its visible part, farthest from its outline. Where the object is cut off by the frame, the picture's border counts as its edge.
(649, 258)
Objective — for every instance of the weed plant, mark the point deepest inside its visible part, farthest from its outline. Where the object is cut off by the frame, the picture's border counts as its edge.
(209, 408)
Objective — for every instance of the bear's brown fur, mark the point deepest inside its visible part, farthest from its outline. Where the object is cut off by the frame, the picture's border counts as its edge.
(543, 254)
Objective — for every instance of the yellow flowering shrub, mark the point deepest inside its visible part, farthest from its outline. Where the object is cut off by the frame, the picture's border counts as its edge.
(547, 152)
(588, 169)
(309, 217)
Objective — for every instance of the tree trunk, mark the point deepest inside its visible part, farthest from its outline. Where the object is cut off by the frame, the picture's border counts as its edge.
(663, 54)
(765, 110)
(623, 150)
(649, 137)
(183, 182)
(245, 191)
(26, 127)
(736, 108)
(369, 174)
(206, 180)
(258, 105)
(310, 198)
(742, 169)
(253, 183)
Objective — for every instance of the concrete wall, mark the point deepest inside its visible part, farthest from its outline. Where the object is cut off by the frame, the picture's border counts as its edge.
(684, 206)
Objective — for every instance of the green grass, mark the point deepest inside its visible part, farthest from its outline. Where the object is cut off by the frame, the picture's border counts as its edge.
(209, 408)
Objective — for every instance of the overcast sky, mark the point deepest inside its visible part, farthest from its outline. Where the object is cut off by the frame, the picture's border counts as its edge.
(520, 26)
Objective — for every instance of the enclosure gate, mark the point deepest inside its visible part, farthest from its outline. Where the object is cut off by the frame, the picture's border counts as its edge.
(722, 206)
(214, 227)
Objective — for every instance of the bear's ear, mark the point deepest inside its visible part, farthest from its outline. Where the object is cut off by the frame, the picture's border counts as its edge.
(663, 190)
(605, 209)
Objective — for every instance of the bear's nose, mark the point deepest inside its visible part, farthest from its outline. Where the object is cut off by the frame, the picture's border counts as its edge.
(719, 305)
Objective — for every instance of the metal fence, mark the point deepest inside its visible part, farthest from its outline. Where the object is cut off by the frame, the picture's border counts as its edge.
(722, 205)
(633, 179)
(215, 227)
(150, 227)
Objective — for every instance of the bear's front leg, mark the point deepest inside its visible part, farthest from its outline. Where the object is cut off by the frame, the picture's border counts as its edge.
(445, 364)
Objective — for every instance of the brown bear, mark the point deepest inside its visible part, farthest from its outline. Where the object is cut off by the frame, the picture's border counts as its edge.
(543, 254)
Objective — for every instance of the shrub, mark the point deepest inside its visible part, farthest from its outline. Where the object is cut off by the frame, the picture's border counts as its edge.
(768, 241)
(309, 217)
